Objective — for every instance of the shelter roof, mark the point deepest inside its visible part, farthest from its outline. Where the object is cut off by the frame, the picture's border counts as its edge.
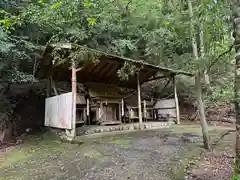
(105, 71)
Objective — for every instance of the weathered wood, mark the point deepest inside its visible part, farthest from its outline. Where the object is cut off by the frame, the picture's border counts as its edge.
(101, 111)
(100, 72)
(74, 99)
(122, 108)
(176, 101)
(72, 133)
(139, 100)
(79, 69)
(158, 77)
(88, 112)
(88, 108)
(144, 110)
(119, 112)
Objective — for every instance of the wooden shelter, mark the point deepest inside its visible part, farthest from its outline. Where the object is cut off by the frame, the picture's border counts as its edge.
(100, 96)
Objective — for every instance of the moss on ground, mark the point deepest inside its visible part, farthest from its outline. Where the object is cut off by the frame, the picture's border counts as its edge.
(40, 147)
(34, 145)
(124, 143)
(180, 168)
(195, 153)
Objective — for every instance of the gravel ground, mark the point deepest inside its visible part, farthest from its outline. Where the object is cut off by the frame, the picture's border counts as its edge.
(135, 156)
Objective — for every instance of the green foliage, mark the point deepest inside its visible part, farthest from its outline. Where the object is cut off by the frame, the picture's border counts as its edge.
(155, 31)
(236, 178)
(127, 71)
(78, 55)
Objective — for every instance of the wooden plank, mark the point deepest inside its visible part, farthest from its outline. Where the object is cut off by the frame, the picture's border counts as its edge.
(106, 69)
(163, 108)
(114, 69)
(99, 67)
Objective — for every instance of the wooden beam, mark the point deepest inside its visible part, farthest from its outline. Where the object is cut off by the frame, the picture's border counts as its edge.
(79, 69)
(176, 101)
(159, 77)
(139, 100)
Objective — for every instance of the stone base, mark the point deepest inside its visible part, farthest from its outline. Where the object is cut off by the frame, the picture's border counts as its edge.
(123, 127)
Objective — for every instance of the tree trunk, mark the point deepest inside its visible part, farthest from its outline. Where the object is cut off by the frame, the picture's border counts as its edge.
(203, 121)
(236, 34)
(198, 82)
(202, 54)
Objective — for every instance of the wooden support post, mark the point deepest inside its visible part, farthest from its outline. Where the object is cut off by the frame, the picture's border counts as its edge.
(120, 112)
(72, 133)
(74, 99)
(101, 112)
(122, 108)
(88, 112)
(139, 100)
(144, 110)
(176, 101)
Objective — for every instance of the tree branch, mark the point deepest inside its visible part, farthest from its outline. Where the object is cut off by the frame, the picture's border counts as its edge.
(215, 60)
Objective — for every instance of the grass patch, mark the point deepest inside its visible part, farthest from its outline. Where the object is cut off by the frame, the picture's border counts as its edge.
(124, 143)
(33, 145)
(179, 168)
(15, 157)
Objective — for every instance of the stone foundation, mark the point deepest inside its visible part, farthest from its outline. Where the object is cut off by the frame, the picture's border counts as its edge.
(123, 127)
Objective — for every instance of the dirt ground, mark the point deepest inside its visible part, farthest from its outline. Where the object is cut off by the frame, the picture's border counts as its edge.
(217, 164)
(164, 154)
